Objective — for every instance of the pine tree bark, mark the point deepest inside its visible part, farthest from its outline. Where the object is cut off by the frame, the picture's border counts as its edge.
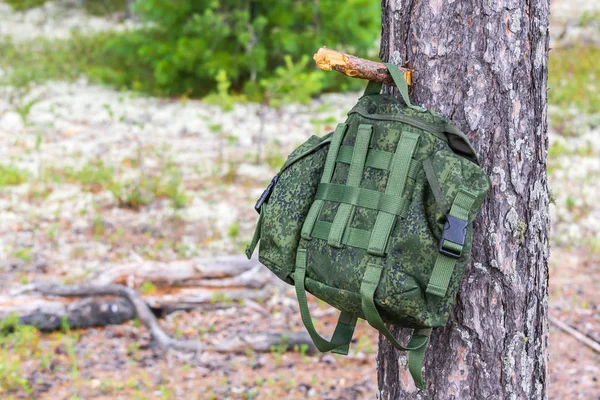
(484, 66)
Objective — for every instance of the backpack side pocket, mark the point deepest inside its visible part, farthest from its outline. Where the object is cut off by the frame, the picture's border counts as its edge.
(458, 188)
(447, 174)
(286, 205)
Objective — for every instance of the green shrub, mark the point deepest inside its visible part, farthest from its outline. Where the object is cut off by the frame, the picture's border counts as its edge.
(186, 44)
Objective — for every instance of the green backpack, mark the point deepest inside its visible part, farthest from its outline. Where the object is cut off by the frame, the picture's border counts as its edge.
(375, 219)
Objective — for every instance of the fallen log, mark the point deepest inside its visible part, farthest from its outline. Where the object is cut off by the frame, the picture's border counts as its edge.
(355, 67)
(141, 309)
(202, 283)
(187, 299)
(47, 315)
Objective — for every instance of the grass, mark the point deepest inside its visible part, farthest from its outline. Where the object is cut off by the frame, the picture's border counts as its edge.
(18, 344)
(574, 79)
(21, 5)
(93, 7)
(11, 175)
(24, 254)
(104, 7)
(52, 59)
(148, 288)
(96, 176)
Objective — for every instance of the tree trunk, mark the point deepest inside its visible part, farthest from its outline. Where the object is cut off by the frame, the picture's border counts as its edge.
(484, 65)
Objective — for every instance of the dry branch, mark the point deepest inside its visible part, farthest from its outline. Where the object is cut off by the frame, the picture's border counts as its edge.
(142, 311)
(266, 342)
(356, 67)
(187, 299)
(178, 273)
(592, 344)
(253, 278)
(47, 314)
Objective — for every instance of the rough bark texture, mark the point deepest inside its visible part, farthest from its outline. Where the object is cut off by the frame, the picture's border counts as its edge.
(484, 65)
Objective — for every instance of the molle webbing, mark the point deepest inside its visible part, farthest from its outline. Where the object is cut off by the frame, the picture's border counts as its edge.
(395, 188)
(357, 165)
(365, 198)
(375, 159)
(389, 204)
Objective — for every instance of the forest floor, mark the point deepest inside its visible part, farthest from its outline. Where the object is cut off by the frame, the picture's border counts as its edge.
(91, 178)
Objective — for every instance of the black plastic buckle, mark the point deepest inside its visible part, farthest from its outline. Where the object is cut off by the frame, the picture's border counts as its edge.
(455, 231)
(264, 197)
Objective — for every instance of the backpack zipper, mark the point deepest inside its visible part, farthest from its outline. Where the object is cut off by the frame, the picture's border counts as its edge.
(288, 163)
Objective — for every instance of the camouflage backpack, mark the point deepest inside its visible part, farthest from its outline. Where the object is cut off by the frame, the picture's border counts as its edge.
(375, 219)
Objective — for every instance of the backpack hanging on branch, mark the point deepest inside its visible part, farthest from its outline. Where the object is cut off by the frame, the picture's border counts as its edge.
(375, 219)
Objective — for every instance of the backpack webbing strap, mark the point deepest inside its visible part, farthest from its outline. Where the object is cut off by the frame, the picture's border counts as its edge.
(342, 335)
(400, 82)
(375, 159)
(398, 77)
(373, 88)
(395, 187)
(317, 205)
(451, 243)
(360, 197)
(357, 165)
(353, 237)
(255, 238)
(418, 342)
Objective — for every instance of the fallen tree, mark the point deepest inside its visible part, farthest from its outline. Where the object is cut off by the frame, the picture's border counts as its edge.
(210, 283)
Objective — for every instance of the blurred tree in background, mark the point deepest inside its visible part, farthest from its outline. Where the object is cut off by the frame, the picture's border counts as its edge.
(185, 45)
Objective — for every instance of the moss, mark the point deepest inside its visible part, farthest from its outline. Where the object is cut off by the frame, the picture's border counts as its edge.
(521, 229)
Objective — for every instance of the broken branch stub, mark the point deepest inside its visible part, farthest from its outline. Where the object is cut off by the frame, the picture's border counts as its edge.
(355, 67)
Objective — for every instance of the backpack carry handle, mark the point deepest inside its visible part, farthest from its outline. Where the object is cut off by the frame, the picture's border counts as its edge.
(398, 77)
(400, 82)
